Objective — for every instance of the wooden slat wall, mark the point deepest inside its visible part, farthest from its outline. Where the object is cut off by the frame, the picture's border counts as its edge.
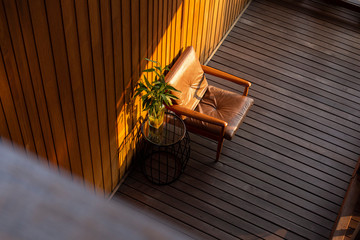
(68, 69)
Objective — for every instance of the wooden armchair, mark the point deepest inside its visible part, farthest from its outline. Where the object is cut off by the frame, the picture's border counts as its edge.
(207, 110)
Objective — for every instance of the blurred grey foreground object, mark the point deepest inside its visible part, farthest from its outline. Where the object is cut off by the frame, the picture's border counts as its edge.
(37, 203)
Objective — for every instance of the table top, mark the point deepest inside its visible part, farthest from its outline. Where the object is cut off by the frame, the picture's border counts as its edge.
(170, 132)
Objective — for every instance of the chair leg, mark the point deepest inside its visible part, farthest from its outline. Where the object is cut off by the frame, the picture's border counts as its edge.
(219, 148)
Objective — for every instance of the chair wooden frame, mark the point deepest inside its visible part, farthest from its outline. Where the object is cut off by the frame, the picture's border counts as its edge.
(184, 112)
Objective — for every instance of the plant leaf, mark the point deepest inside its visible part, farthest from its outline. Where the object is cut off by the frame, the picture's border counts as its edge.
(165, 99)
(141, 84)
(169, 100)
(147, 82)
(152, 61)
(171, 96)
(136, 94)
(158, 74)
(159, 68)
(169, 87)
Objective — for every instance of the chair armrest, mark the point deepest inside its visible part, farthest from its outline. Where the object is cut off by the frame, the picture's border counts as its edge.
(197, 115)
(227, 76)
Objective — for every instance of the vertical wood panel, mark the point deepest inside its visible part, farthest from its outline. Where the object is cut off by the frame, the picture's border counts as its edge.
(150, 29)
(119, 79)
(154, 29)
(178, 27)
(232, 12)
(159, 30)
(154, 39)
(168, 27)
(127, 68)
(190, 24)
(184, 23)
(205, 30)
(106, 25)
(173, 19)
(4, 126)
(209, 26)
(238, 7)
(135, 44)
(36, 78)
(126, 47)
(163, 32)
(14, 85)
(144, 5)
(135, 66)
(225, 16)
(68, 69)
(62, 77)
(145, 45)
(47, 69)
(73, 54)
(214, 5)
(100, 89)
(199, 34)
(195, 25)
(219, 24)
(82, 16)
(24, 77)
(9, 108)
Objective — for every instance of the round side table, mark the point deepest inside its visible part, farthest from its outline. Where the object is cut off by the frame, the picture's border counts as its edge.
(166, 150)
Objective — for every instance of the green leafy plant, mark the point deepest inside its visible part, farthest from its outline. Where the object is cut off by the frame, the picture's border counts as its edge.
(156, 93)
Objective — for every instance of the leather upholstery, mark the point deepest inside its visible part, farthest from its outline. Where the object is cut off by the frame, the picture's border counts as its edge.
(222, 104)
(187, 76)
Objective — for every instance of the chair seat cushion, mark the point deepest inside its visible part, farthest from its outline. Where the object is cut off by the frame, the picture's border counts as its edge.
(222, 104)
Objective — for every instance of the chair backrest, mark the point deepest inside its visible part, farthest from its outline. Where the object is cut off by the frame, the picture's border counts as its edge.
(187, 76)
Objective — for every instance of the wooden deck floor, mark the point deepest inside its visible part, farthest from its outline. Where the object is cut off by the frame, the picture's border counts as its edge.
(285, 173)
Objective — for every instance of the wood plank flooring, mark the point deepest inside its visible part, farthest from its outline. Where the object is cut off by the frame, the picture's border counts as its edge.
(285, 173)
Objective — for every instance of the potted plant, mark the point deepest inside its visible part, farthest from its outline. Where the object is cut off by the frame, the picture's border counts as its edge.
(157, 94)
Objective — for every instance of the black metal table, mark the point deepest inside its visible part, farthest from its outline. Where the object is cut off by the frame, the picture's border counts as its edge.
(166, 150)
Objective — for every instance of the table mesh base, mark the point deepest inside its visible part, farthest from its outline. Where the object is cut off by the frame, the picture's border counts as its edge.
(163, 165)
